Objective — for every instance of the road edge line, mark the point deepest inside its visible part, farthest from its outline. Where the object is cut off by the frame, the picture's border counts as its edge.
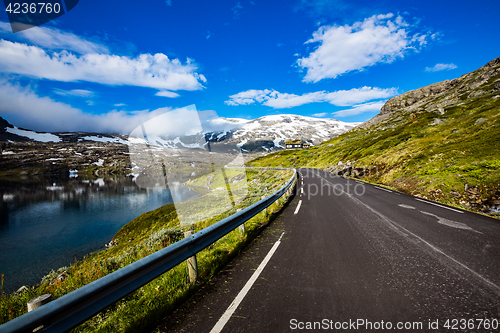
(236, 302)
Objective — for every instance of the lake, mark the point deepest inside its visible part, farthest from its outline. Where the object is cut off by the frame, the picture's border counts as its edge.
(46, 223)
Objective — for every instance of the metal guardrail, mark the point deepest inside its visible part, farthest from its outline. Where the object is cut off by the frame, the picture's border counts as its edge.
(74, 308)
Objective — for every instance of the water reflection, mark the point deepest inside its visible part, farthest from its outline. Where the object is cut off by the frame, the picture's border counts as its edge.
(47, 222)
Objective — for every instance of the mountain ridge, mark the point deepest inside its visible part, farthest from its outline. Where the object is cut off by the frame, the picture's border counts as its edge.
(264, 134)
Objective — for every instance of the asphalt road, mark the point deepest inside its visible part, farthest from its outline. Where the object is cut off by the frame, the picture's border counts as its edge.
(355, 257)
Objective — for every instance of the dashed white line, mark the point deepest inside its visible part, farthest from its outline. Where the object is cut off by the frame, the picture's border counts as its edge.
(298, 207)
(435, 204)
(301, 190)
(234, 305)
(384, 189)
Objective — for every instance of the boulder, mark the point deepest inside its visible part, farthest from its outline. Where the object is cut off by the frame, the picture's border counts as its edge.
(480, 120)
(436, 121)
(21, 290)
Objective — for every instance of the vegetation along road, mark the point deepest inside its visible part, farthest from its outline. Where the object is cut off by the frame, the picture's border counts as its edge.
(349, 256)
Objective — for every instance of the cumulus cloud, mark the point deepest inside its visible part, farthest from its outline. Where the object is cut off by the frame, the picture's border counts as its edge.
(24, 108)
(55, 39)
(342, 49)
(358, 109)
(441, 67)
(279, 100)
(146, 70)
(166, 93)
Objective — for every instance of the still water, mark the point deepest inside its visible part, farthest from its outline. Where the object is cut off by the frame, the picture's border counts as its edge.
(47, 223)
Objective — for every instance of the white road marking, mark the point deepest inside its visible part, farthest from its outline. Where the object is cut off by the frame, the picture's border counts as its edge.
(406, 206)
(298, 207)
(435, 204)
(234, 305)
(301, 190)
(450, 223)
(384, 189)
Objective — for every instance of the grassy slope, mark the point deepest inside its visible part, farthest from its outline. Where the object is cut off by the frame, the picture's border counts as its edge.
(148, 233)
(416, 157)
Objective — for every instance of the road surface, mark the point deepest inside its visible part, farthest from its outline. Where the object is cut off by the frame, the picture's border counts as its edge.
(348, 256)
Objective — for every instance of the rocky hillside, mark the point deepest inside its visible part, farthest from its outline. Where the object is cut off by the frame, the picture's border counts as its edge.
(438, 96)
(439, 142)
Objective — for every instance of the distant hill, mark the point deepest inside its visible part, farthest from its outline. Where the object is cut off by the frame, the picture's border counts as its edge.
(440, 142)
(264, 134)
(11, 133)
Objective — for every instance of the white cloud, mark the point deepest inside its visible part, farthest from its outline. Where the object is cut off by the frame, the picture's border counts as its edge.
(441, 67)
(378, 39)
(55, 39)
(166, 93)
(120, 104)
(319, 115)
(24, 108)
(279, 100)
(359, 95)
(146, 70)
(236, 10)
(74, 92)
(358, 109)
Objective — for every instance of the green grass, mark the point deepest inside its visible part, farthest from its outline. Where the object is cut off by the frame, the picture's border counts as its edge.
(145, 308)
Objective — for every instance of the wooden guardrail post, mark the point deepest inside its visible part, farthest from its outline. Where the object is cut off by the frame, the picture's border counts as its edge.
(241, 228)
(39, 301)
(192, 263)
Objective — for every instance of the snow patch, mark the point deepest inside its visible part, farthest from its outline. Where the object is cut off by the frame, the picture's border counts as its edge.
(104, 139)
(41, 137)
(99, 163)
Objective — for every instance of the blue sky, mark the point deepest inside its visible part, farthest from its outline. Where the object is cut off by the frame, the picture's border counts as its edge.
(106, 66)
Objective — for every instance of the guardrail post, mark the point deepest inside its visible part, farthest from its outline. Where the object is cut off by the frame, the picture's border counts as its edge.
(241, 228)
(39, 301)
(192, 263)
(267, 208)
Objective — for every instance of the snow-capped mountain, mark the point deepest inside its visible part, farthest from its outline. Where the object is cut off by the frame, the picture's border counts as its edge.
(263, 134)
(270, 132)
